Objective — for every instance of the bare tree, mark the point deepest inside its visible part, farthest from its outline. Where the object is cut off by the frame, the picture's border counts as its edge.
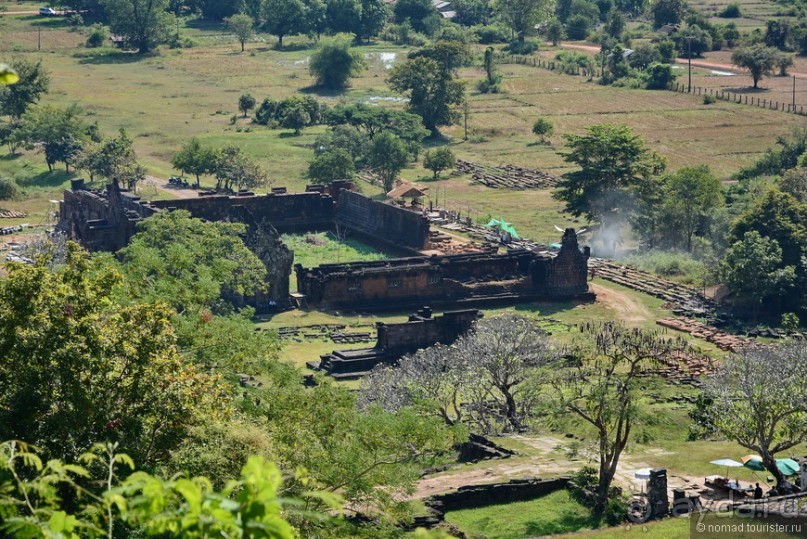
(604, 388)
(433, 379)
(759, 400)
(504, 352)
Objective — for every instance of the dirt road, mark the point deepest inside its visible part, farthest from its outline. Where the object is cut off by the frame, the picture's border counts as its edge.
(697, 63)
(625, 308)
(551, 460)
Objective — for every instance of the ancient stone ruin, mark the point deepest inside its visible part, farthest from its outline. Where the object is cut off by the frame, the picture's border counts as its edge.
(396, 340)
(105, 220)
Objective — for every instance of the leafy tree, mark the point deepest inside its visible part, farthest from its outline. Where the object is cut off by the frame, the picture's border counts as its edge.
(316, 18)
(759, 60)
(692, 39)
(333, 63)
(794, 183)
(615, 24)
(613, 161)
(690, 196)
(731, 11)
(778, 34)
(233, 169)
(374, 16)
(191, 264)
(439, 160)
(97, 36)
(758, 400)
(243, 26)
(778, 160)
(373, 120)
(246, 103)
(344, 137)
(432, 89)
(522, 15)
(668, 12)
(471, 12)
(80, 367)
(283, 18)
(420, 13)
(113, 159)
(605, 389)
(388, 156)
(555, 32)
(33, 81)
(659, 76)
(542, 127)
(783, 61)
(58, 132)
(578, 26)
(752, 267)
(296, 118)
(335, 164)
(195, 159)
(144, 23)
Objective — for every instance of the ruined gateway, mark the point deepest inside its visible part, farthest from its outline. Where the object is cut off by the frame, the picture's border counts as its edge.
(105, 220)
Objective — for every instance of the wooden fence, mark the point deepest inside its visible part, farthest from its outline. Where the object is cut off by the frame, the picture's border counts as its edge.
(723, 95)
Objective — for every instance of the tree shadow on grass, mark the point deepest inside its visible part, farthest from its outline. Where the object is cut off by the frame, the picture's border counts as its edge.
(114, 57)
(10, 156)
(565, 523)
(52, 179)
(321, 91)
(547, 308)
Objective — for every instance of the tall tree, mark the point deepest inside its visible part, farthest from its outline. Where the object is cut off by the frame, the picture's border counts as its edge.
(59, 132)
(606, 389)
(752, 268)
(432, 89)
(334, 62)
(374, 16)
(233, 169)
(33, 81)
(284, 18)
(144, 23)
(246, 103)
(79, 367)
(334, 164)
(115, 160)
(522, 15)
(613, 161)
(388, 156)
(195, 159)
(420, 13)
(759, 400)
(243, 26)
(759, 60)
(690, 196)
(191, 264)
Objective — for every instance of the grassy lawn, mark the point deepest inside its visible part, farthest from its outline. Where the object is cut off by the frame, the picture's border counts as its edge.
(671, 528)
(319, 248)
(554, 513)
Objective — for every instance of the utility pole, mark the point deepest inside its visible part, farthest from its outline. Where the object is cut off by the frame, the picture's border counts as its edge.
(689, 61)
(467, 110)
(794, 93)
(39, 38)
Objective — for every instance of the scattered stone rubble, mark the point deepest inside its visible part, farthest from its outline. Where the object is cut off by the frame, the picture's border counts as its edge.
(721, 339)
(507, 176)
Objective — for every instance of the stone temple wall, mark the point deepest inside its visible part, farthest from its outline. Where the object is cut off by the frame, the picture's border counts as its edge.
(382, 222)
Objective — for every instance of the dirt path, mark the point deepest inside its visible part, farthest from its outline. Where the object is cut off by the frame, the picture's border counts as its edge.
(550, 460)
(176, 192)
(625, 308)
(19, 13)
(697, 63)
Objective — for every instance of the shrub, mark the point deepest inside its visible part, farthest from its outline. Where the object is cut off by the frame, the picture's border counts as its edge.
(709, 99)
(97, 36)
(488, 35)
(659, 76)
(731, 11)
(8, 189)
(522, 47)
(669, 264)
(333, 63)
(578, 27)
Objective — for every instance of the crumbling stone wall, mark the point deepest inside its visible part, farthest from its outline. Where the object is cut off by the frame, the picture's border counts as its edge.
(396, 340)
(382, 222)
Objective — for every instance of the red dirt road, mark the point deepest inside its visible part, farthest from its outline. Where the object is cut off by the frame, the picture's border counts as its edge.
(697, 63)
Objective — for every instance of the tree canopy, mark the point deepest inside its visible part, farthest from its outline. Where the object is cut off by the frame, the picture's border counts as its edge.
(333, 63)
(32, 82)
(144, 23)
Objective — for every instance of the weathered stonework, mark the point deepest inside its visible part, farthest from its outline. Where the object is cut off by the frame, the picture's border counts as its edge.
(396, 340)
(106, 221)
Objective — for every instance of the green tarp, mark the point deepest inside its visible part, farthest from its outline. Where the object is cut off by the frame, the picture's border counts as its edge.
(505, 226)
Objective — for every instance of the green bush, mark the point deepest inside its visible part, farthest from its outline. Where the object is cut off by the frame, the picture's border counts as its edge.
(709, 99)
(8, 189)
(731, 11)
(522, 47)
(488, 35)
(97, 36)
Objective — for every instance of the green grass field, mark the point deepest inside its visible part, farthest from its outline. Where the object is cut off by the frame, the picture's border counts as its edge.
(552, 514)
